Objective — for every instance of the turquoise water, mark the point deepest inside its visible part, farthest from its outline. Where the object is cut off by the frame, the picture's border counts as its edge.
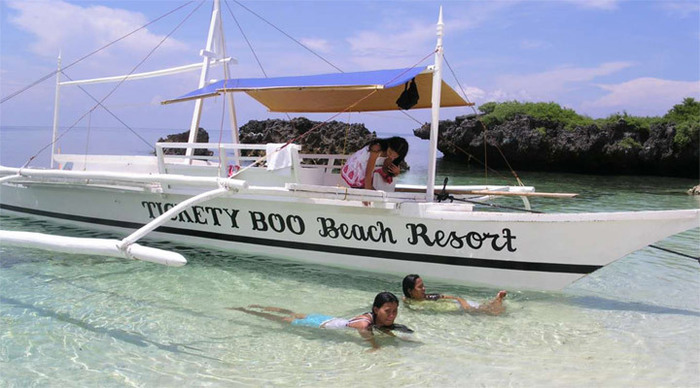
(70, 320)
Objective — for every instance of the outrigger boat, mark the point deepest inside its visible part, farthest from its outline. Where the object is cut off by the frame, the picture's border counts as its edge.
(278, 205)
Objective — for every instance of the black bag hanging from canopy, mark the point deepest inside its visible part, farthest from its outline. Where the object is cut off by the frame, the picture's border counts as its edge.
(409, 97)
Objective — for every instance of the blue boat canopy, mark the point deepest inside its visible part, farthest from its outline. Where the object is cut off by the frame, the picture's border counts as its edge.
(357, 92)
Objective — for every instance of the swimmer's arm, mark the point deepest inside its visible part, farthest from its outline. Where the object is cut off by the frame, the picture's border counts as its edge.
(463, 303)
(390, 332)
(365, 332)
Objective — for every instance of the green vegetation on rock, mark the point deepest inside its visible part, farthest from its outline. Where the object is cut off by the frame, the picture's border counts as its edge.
(497, 113)
(685, 117)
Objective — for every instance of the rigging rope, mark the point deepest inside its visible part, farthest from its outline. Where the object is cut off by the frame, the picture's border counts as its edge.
(110, 112)
(100, 102)
(255, 55)
(485, 163)
(222, 43)
(300, 137)
(517, 178)
(87, 143)
(245, 37)
(471, 156)
(289, 36)
(44, 78)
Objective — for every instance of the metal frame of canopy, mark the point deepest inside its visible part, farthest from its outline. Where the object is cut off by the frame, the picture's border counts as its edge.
(342, 92)
(330, 93)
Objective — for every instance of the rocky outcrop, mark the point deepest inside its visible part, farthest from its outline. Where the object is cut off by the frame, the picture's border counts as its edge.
(202, 137)
(544, 145)
(333, 137)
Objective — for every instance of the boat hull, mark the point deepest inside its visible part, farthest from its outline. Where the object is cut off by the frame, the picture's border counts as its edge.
(443, 241)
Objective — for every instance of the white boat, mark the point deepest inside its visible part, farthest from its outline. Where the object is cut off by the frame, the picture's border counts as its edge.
(279, 205)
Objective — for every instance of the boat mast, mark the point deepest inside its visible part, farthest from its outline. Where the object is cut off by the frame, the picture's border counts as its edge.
(55, 110)
(435, 112)
(228, 98)
(209, 54)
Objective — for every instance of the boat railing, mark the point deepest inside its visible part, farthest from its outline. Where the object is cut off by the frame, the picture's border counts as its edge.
(225, 159)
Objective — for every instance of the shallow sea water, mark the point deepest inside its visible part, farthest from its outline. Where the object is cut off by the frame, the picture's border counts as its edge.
(71, 320)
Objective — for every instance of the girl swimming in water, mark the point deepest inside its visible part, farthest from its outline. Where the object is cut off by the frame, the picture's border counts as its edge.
(382, 316)
(414, 292)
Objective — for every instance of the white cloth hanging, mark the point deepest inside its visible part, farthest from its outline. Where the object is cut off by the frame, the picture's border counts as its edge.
(277, 158)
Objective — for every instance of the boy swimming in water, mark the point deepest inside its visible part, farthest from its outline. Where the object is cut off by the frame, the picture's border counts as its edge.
(384, 311)
(414, 291)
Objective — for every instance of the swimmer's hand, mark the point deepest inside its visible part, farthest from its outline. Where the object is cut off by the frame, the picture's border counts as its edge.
(398, 331)
(401, 328)
(367, 334)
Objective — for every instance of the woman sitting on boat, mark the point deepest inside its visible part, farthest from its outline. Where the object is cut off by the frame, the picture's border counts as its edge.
(384, 311)
(416, 298)
(376, 164)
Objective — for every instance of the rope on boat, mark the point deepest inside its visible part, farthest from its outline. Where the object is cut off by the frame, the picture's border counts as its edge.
(109, 111)
(47, 76)
(100, 102)
(676, 252)
(512, 171)
(285, 34)
(245, 37)
(470, 155)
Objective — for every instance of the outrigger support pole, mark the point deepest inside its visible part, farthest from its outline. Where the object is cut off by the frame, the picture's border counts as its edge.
(435, 112)
(55, 110)
(165, 217)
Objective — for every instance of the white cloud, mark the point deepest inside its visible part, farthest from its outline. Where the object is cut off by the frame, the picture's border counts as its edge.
(530, 44)
(401, 40)
(645, 96)
(58, 25)
(473, 93)
(548, 84)
(681, 8)
(596, 4)
(317, 44)
(377, 49)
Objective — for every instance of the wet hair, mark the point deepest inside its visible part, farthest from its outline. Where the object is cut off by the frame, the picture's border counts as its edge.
(396, 143)
(409, 283)
(383, 298)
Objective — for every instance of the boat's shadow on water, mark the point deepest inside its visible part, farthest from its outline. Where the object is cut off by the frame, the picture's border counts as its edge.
(290, 268)
(599, 303)
(131, 338)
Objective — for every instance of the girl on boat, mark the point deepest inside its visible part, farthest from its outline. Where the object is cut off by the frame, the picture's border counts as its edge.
(415, 297)
(381, 317)
(376, 164)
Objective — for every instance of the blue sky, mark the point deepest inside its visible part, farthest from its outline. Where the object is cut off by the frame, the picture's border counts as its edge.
(597, 57)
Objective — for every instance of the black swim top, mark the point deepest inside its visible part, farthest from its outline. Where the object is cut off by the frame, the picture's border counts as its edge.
(401, 328)
(396, 326)
(433, 296)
